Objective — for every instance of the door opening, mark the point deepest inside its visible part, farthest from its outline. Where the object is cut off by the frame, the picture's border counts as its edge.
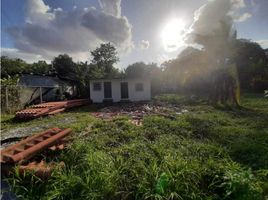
(107, 90)
(124, 90)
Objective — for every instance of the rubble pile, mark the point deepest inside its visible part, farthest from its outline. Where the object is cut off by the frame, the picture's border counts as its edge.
(137, 111)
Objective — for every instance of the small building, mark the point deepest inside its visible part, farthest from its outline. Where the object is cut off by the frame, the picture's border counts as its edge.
(120, 90)
(35, 88)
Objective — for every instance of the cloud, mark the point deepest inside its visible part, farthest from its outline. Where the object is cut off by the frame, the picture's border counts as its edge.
(144, 44)
(243, 17)
(15, 53)
(209, 17)
(38, 12)
(237, 4)
(111, 7)
(108, 27)
(263, 43)
(49, 32)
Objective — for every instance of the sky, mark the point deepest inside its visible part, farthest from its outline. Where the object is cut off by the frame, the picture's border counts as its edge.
(141, 30)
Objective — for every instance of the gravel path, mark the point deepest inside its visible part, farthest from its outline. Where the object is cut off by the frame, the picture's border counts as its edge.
(35, 128)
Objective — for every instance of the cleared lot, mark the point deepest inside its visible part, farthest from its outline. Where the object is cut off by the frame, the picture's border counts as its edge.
(205, 153)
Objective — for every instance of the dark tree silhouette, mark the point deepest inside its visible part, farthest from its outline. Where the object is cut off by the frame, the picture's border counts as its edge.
(64, 66)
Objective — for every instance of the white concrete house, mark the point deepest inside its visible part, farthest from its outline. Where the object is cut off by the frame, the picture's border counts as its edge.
(121, 89)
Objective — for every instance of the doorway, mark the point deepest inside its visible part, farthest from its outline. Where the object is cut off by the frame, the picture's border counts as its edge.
(124, 90)
(107, 90)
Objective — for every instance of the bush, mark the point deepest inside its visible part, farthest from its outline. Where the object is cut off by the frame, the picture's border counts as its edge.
(10, 95)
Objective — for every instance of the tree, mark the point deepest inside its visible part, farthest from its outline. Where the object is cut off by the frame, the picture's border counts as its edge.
(252, 65)
(140, 69)
(11, 67)
(41, 67)
(104, 57)
(10, 93)
(64, 66)
(189, 72)
(220, 49)
(82, 75)
(149, 71)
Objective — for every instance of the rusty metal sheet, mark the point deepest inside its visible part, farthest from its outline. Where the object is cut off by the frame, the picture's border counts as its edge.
(49, 108)
(29, 147)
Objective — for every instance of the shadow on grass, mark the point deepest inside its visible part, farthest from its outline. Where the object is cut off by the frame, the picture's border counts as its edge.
(180, 100)
(15, 120)
(242, 111)
(250, 153)
(86, 109)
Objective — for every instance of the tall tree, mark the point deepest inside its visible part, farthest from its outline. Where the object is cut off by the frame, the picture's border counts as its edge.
(220, 49)
(64, 66)
(149, 71)
(252, 65)
(104, 57)
(188, 72)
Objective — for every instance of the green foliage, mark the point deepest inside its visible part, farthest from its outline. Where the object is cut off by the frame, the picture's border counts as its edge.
(104, 57)
(10, 81)
(240, 184)
(64, 66)
(174, 99)
(150, 71)
(99, 72)
(160, 125)
(79, 72)
(218, 70)
(251, 64)
(207, 153)
(11, 67)
(41, 67)
(189, 72)
(10, 94)
(27, 186)
(140, 69)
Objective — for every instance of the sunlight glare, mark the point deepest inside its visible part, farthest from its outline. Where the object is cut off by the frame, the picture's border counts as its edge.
(173, 35)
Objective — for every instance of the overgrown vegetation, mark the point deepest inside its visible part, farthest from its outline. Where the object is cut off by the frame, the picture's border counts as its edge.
(10, 94)
(206, 153)
(217, 71)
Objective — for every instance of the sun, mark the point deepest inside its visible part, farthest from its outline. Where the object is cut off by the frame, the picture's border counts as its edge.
(173, 34)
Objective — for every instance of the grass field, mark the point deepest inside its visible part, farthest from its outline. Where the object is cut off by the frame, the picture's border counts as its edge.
(206, 153)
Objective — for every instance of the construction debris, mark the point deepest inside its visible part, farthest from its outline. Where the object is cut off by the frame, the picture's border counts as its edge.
(49, 108)
(40, 169)
(29, 147)
(136, 111)
(21, 152)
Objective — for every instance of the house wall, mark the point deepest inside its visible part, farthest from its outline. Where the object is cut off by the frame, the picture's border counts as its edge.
(145, 95)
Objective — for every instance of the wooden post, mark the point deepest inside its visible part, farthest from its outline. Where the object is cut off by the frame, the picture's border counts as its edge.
(41, 98)
(6, 98)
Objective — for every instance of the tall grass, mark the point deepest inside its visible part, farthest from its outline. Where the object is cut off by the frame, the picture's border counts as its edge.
(208, 153)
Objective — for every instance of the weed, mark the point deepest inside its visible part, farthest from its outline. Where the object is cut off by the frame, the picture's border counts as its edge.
(208, 153)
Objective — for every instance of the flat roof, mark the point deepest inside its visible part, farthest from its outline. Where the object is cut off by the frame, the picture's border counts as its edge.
(125, 78)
